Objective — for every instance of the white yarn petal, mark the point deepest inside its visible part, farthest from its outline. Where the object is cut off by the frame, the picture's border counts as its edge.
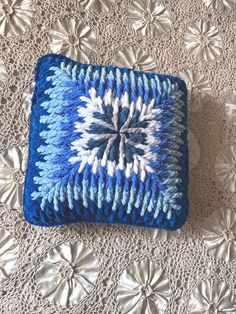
(12, 172)
(203, 40)
(9, 250)
(143, 288)
(134, 58)
(73, 39)
(3, 74)
(68, 274)
(220, 4)
(15, 16)
(149, 18)
(198, 88)
(230, 106)
(26, 99)
(219, 234)
(225, 167)
(211, 297)
(194, 150)
(98, 6)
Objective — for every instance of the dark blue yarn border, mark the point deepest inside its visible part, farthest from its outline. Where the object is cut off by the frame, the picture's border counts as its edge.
(49, 217)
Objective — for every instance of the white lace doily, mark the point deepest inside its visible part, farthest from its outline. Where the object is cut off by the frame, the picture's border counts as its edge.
(106, 269)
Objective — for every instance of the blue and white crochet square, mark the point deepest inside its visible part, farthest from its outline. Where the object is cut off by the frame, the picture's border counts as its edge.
(111, 147)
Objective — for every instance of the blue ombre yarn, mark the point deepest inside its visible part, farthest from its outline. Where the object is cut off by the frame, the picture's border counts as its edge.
(106, 145)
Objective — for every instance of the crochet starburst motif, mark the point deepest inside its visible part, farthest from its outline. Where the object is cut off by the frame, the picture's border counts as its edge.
(116, 133)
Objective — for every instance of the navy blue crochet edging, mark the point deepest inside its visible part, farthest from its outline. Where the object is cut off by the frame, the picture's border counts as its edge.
(49, 217)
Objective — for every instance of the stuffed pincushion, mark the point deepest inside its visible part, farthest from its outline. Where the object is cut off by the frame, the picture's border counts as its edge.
(106, 145)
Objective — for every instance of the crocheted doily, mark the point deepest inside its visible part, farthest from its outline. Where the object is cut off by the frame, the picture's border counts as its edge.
(117, 269)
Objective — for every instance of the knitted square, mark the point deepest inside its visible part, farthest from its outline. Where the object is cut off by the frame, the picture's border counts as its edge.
(106, 145)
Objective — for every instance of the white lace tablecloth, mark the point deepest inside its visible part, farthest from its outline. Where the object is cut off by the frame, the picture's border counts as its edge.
(114, 269)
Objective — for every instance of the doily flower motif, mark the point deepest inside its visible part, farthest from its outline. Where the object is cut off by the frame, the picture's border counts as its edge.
(3, 74)
(220, 4)
(68, 274)
(143, 288)
(230, 106)
(211, 297)
(225, 167)
(198, 88)
(26, 99)
(73, 39)
(193, 150)
(12, 171)
(15, 16)
(134, 58)
(149, 18)
(203, 40)
(219, 234)
(9, 249)
(98, 6)
(118, 240)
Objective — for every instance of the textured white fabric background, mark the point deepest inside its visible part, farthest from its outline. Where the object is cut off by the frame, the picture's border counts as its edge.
(114, 269)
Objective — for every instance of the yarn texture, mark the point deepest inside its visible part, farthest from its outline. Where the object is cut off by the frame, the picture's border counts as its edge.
(106, 145)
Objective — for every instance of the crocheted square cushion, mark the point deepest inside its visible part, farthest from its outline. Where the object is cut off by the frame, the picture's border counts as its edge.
(106, 145)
